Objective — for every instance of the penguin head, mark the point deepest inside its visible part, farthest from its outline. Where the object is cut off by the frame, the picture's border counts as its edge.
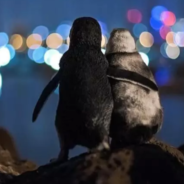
(120, 40)
(85, 30)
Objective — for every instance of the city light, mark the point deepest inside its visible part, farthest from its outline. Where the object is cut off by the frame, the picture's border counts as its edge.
(4, 39)
(134, 16)
(146, 39)
(5, 56)
(54, 40)
(34, 41)
(145, 58)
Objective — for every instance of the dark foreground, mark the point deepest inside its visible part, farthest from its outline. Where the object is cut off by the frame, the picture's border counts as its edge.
(151, 163)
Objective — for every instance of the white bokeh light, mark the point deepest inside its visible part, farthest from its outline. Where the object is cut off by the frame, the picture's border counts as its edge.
(49, 54)
(54, 61)
(145, 58)
(5, 56)
(172, 52)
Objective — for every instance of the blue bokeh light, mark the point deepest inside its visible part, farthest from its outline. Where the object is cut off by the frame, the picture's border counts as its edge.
(163, 50)
(162, 76)
(11, 50)
(178, 26)
(155, 24)
(138, 29)
(63, 48)
(157, 11)
(38, 55)
(104, 28)
(4, 39)
(64, 30)
(30, 54)
(42, 31)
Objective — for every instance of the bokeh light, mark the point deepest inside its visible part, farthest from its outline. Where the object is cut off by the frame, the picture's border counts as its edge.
(164, 30)
(38, 55)
(170, 39)
(146, 39)
(63, 48)
(49, 54)
(34, 41)
(162, 76)
(63, 30)
(54, 41)
(68, 40)
(104, 41)
(4, 39)
(42, 31)
(157, 11)
(11, 50)
(145, 58)
(141, 48)
(178, 26)
(4, 56)
(54, 61)
(172, 52)
(30, 54)
(16, 41)
(163, 49)
(103, 51)
(153, 55)
(103, 27)
(155, 24)
(138, 29)
(134, 16)
(179, 39)
(168, 18)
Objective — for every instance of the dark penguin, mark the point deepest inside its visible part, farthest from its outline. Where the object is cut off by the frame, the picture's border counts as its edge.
(85, 100)
(137, 113)
(50, 87)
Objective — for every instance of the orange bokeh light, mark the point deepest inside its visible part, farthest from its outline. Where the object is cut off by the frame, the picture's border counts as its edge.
(34, 41)
(54, 40)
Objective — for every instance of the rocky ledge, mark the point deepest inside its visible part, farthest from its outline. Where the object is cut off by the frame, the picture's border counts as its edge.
(152, 163)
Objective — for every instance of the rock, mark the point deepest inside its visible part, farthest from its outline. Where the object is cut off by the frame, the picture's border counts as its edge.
(4, 178)
(7, 143)
(10, 163)
(11, 166)
(152, 163)
(181, 148)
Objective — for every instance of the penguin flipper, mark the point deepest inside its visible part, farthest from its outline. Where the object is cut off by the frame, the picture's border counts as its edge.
(50, 87)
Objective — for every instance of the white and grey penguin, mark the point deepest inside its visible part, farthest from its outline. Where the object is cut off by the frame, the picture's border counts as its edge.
(85, 100)
(137, 115)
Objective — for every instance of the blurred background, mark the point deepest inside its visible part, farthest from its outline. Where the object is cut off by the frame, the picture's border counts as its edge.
(33, 37)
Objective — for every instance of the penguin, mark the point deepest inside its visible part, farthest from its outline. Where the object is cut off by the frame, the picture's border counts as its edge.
(50, 87)
(137, 114)
(85, 100)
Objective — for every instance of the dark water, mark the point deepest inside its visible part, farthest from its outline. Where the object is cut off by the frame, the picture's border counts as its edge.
(38, 141)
